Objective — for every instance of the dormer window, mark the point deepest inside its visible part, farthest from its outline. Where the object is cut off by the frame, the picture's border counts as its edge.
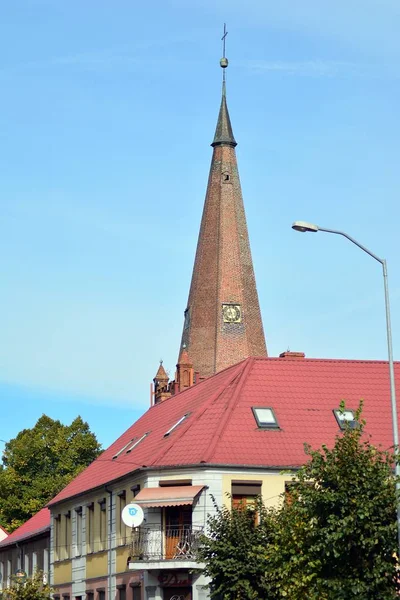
(265, 417)
(345, 416)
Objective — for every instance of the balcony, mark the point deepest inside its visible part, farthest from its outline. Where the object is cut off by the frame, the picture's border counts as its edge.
(155, 547)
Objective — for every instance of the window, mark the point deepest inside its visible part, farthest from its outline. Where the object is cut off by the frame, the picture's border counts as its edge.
(121, 527)
(9, 569)
(45, 561)
(345, 416)
(57, 537)
(122, 449)
(90, 528)
(89, 595)
(1, 574)
(265, 417)
(121, 591)
(102, 524)
(244, 493)
(101, 594)
(136, 442)
(171, 429)
(78, 531)
(67, 535)
(28, 564)
(136, 592)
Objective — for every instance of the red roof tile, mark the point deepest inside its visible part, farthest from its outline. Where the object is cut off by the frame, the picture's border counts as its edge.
(221, 428)
(36, 525)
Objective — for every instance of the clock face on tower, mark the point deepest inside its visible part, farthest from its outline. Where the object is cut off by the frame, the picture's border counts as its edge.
(231, 313)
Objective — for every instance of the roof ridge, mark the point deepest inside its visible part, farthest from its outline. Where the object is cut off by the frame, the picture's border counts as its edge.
(201, 411)
(316, 359)
(224, 421)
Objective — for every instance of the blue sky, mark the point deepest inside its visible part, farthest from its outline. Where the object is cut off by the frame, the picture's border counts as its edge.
(107, 111)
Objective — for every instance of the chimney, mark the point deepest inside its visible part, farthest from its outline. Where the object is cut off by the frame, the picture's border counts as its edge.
(292, 355)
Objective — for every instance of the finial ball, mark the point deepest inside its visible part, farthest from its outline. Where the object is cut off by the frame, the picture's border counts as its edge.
(223, 62)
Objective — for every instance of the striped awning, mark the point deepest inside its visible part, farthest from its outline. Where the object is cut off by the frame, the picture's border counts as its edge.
(168, 496)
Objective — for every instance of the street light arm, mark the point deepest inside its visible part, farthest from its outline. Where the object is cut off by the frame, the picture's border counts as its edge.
(346, 235)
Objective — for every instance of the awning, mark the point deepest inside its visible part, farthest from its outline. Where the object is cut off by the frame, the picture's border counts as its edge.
(168, 496)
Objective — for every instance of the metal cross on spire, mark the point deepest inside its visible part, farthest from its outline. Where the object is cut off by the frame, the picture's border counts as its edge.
(224, 61)
(223, 40)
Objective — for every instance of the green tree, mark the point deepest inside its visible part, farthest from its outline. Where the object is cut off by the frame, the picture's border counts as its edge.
(234, 552)
(333, 538)
(38, 463)
(32, 589)
(337, 537)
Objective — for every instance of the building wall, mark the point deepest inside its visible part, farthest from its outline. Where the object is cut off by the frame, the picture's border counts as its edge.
(30, 555)
(91, 554)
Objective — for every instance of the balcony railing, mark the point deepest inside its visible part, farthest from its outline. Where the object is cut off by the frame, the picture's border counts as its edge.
(165, 543)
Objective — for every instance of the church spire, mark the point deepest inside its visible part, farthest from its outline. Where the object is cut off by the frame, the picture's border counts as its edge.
(223, 131)
(222, 320)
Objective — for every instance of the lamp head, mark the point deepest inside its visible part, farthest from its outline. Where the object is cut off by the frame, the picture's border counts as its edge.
(303, 226)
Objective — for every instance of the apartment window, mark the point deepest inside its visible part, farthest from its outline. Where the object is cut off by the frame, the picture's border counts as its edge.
(121, 592)
(57, 537)
(67, 534)
(89, 595)
(45, 564)
(9, 570)
(121, 527)
(34, 561)
(101, 594)
(244, 493)
(136, 592)
(28, 564)
(78, 531)
(90, 528)
(102, 524)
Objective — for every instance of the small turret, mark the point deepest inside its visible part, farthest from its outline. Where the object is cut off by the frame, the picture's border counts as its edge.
(184, 371)
(161, 387)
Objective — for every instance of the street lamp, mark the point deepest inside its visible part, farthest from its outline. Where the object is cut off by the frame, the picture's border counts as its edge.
(304, 227)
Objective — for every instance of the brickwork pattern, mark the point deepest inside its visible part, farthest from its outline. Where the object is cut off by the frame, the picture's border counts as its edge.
(223, 274)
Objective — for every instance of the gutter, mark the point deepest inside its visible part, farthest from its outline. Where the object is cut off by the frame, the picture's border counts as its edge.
(110, 513)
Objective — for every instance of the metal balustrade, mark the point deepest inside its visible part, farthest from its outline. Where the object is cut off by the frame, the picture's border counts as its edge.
(165, 543)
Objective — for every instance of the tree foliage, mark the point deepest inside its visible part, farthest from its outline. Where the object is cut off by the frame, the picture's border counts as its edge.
(38, 463)
(234, 552)
(334, 538)
(32, 589)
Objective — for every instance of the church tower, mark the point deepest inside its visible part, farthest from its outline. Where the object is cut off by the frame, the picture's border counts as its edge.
(222, 323)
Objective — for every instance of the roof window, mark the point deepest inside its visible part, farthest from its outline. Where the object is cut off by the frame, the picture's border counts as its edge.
(136, 442)
(345, 416)
(176, 425)
(265, 417)
(122, 449)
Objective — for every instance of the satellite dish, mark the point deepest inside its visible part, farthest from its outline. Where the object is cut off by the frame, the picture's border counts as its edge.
(132, 515)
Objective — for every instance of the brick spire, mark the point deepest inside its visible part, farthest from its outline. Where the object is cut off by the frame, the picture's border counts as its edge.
(222, 320)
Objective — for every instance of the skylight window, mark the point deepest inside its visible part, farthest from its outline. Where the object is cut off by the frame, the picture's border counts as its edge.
(122, 449)
(176, 425)
(265, 417)
(136, 442)
(345, 416)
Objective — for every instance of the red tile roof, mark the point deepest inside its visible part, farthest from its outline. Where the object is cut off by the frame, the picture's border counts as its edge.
(221, 428)
(39, 523)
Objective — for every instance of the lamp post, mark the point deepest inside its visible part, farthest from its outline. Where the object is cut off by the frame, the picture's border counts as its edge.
(303, 227)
